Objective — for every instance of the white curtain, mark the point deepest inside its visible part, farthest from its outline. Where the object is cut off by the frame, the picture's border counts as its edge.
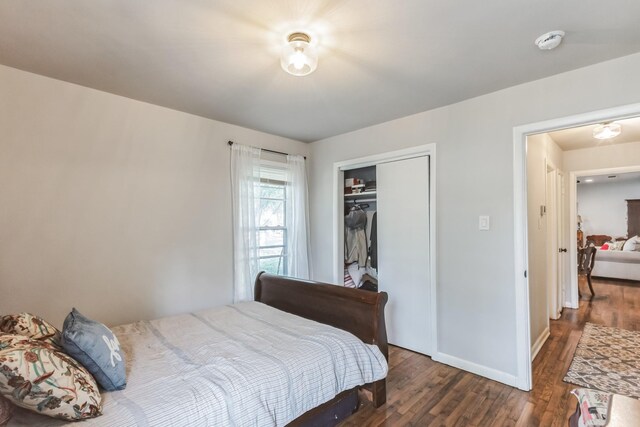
(297, 218)
(245, 184)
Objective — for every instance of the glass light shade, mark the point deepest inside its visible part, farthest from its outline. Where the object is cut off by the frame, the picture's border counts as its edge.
(607, 131)
(299, 57)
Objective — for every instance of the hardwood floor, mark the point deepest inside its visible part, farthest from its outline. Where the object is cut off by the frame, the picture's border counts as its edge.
(421, 392)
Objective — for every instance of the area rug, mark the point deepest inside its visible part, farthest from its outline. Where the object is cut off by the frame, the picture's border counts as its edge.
(607, 359)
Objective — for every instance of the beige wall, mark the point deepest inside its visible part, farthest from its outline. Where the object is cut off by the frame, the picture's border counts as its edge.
(117, 207)
(607, 156)
(474, 138)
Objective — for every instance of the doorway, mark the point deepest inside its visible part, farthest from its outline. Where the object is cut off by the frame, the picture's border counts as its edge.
(522, 212)
(574, 178)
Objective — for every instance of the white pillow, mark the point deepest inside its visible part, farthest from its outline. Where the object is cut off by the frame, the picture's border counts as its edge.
(633, 244)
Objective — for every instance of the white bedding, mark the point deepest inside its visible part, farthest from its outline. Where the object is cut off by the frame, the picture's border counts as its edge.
(240, 365)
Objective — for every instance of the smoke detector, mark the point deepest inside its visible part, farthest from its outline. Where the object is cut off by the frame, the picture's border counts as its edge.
(550, 40)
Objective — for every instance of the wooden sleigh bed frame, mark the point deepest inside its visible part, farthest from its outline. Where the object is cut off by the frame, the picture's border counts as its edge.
(356, 311)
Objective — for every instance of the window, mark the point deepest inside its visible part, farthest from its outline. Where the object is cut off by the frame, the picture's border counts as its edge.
(269, 217)
(272, 225)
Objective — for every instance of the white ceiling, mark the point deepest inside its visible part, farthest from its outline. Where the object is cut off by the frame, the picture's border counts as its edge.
(582, 137)
(379, 59)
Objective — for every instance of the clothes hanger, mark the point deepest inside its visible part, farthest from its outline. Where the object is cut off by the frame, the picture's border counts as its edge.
(358, 206)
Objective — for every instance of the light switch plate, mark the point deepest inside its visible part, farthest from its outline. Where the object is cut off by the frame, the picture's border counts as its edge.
(484, 223)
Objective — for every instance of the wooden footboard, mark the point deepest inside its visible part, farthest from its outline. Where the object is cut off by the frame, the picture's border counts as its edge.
(356, 311)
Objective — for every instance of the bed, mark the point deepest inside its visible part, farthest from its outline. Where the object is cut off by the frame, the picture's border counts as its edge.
(295, 356)
(615, 264)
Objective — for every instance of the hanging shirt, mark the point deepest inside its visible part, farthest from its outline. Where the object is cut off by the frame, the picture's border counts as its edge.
(355, 239)
(373, 250)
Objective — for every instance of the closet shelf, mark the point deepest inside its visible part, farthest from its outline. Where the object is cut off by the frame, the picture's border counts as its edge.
(360, 195)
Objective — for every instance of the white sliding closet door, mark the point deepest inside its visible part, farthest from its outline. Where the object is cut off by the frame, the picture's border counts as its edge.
(403, 250)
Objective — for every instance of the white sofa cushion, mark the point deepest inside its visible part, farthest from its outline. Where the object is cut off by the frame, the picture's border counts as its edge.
(633, 244)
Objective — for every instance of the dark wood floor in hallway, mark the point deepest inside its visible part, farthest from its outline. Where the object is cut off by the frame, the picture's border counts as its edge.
(421, 392)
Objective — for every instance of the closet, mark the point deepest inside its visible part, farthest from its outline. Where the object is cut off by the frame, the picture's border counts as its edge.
(360, 225)
(386, 205)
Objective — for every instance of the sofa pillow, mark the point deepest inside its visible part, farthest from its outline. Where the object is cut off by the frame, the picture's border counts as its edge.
(633, 244)
(97, 348)
(616, 246)
(30, 326)
(39, 377)
(594, 406)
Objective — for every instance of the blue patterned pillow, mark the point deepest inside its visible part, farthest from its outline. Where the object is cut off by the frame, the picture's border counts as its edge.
(94, 345)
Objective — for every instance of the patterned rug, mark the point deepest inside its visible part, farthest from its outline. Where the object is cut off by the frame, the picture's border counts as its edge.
(607, 359)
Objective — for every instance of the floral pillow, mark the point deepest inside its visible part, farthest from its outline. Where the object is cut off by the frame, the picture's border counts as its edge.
(616, 246)
(30, 326)
(6, 411)
(594, 406)
(37, 376)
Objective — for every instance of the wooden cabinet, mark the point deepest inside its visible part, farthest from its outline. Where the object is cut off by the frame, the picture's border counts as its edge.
(633, 217)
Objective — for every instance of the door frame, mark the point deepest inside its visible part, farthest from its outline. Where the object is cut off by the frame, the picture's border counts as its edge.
(573, 211)
(338, 221)
(561, 202)
(550, 218)
(521, 282)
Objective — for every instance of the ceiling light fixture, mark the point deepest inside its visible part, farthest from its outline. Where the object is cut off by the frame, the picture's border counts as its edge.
(550, 40)
(607, 130)
(299, 57)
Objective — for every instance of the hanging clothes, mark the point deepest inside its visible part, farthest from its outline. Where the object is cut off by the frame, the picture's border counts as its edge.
(373, 250)
(355, 239)
(370, 214)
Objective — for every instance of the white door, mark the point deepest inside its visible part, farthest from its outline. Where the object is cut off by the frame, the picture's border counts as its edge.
(556, 248)
(403, 250)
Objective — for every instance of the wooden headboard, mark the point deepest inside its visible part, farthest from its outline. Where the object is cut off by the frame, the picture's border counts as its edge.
(357, 311)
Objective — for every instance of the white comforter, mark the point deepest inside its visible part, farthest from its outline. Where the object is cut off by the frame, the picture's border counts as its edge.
(240, 365)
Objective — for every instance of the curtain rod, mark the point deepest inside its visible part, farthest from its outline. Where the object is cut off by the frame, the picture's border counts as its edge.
(270, 151)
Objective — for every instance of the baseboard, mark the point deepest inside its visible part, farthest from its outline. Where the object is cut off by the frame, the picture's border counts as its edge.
(535, 348)
(474, 368)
